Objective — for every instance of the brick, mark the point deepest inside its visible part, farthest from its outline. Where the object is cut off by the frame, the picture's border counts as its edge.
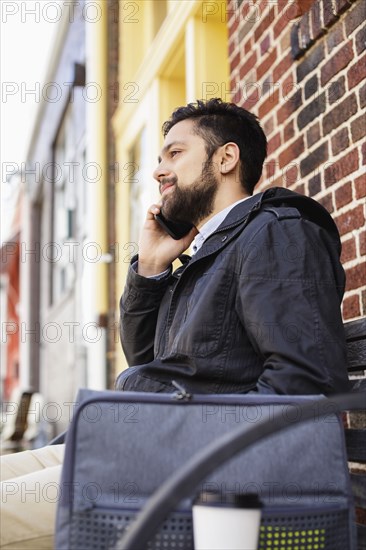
(329, 16)
(310, 62)
(339, 61)
(237, 96)
(311, 86)
(360, 186)
(292, 152)
(248, 46)
(244, 9)
(315, 185)
(355, 276)
(235, 62)
(252, 100)
(339, 114)
(313, 160)
(268, 86)
(246, 29)
(300, 188)
(232, 46)
(296, 51)
(290, 175)
(327, 202)
(270, 167)
(343, 195)
(357, 72)
(361, 40)
(305, 38)
(274, 143)
(305, 5)
(269, 104)
(288, 131)
(341, 168)
(362, 243)
(316, 20)
(355, 17)
(350, 220)
(288, 87)
(285, 42)
(334, 38)
(340, 141)
(311, 111)
(341, 5)
(363, 153)
(292, 11)
(351, 307)
(362, 94)
(264, 45)
(266, 64)
(349, 251)
(265, 24)
(282, 67)
(281, 4)
(233, 26)
(277, 182)
(358, 128)
(249, 64)
(268, 126)
(289, 107)
(279, 26)
(336, 90)
(313, 134)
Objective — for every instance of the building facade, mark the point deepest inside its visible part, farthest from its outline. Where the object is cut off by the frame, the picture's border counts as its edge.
(62, 251)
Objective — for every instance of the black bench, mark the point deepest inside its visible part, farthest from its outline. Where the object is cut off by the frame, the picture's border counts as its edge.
(355, 424)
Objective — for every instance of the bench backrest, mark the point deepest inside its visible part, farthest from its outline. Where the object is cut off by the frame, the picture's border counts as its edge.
(355, 423)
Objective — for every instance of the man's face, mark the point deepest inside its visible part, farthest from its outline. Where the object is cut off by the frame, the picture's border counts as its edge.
(187, 180)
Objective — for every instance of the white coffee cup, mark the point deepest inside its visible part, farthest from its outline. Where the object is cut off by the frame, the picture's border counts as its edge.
(226, 521)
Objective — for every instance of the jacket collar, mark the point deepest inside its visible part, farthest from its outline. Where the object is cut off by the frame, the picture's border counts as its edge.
(242, 213)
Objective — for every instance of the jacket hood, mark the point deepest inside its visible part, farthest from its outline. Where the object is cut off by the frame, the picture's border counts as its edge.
(281, 197)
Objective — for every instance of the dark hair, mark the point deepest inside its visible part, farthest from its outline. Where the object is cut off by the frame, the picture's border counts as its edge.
(218, 123)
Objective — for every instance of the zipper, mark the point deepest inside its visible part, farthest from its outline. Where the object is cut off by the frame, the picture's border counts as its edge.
(181, 394)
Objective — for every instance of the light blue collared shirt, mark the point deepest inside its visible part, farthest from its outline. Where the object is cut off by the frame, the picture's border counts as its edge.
(210, 227)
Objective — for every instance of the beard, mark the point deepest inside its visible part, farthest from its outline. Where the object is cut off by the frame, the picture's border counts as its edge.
(192, 203)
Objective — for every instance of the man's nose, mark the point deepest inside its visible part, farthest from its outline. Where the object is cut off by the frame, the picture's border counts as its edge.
(161, 171)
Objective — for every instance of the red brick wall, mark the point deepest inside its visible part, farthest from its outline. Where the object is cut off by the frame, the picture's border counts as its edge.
(300, 66)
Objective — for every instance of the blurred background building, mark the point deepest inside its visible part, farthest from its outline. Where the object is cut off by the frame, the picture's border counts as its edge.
(118, 69)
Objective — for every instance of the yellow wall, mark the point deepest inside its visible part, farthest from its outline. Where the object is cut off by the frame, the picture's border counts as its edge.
(170, 54)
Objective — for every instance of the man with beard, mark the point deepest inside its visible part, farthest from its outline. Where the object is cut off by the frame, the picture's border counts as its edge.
(255, 308)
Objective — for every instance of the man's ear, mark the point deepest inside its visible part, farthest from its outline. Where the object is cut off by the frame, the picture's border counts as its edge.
(229, 157)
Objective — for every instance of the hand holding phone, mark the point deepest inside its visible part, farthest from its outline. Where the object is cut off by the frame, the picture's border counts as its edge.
(177, 230)
(161, 242)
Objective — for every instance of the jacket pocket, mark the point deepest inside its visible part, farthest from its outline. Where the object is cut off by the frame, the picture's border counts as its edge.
(199, 328)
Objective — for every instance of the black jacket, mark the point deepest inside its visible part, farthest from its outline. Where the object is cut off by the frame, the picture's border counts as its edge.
(257, 308)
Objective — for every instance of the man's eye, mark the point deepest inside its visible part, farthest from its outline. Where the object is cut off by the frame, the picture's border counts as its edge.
(173, 153)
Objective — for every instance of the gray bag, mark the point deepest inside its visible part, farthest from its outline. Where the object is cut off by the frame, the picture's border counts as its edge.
(121, 446)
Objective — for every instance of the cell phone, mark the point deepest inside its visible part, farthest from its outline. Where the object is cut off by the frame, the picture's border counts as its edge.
(177, 230)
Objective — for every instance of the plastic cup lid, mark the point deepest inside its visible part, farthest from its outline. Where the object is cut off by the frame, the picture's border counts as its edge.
(233, 500)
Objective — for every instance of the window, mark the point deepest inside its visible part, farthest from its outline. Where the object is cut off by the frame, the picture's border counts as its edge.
(65, 178)
(138, 176)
